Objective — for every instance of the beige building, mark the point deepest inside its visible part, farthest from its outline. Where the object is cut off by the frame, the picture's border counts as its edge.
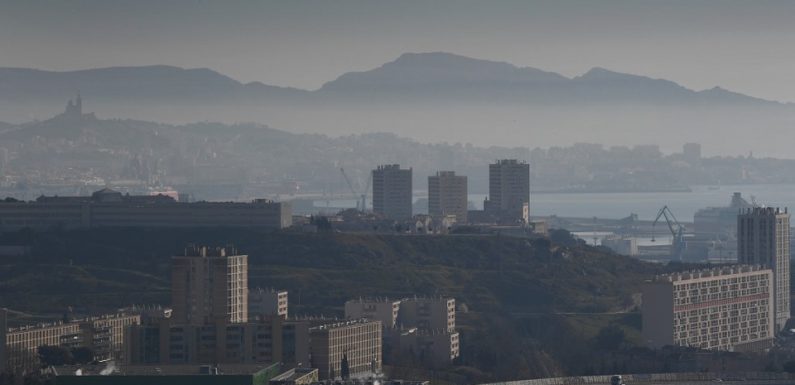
(358, 340)
(376, 309)
(728, 308)
(428, 313)
(108, 208)
(392, 193)
(104, 335)
(430, 348)
(209, 285)
(509, 190)
(447, 196)
(763, 238)
(267, 302)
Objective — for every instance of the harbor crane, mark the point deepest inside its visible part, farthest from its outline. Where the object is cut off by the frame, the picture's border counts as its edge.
(677, 231)
(361, 203)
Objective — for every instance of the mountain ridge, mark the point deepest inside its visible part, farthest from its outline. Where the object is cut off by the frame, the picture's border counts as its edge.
(415, 72)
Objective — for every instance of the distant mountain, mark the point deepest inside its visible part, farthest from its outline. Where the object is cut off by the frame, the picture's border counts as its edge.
(430, 97)
(130, 83)
(427, 75)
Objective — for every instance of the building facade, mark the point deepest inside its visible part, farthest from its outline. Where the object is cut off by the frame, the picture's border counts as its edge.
(267, 302)
(428, 313)
(209, 285)
(170, 343)
(763, 238)
(377, 309)
(728, 308)
(392, 192)
(104, 335)
(509, 190)
(108, 208)
(357, 340)
(447, 196)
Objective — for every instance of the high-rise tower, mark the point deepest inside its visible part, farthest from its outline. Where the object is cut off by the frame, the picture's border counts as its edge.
(447, 195)
(392, 192)
(209, 285)
(763, 238)
(509, 190)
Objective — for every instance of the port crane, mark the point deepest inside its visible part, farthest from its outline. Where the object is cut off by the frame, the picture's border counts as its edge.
(361, 203)
(677, 231)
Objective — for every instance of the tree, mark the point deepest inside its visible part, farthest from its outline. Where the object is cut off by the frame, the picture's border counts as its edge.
(345, 370)
(82, 355)
(54, 355)
(610, 337)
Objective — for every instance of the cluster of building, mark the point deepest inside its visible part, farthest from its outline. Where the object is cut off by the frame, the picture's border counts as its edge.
(423, 328)
(733, 308)
(108, 208)
(215, 319)
(508, 201)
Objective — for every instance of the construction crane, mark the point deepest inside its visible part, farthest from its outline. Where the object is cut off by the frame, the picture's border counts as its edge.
(677, 231)
(361, 203)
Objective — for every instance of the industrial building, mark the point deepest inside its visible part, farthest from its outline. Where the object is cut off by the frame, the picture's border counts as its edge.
(392, 192)
(763, 238)
(447, 196)
(729, 308)
(108, 208)
(509, 191)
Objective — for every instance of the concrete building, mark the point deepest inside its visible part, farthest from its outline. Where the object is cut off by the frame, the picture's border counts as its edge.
(108, 208)
(447, 196)
(392, 193)
(728, 308)
(763, 238)
(209, 285)
(358, 340)
(376, 309)
(170, 343)
(428, 313)
(509, 190)
(267, 302)
(104, 335)
(429, 348)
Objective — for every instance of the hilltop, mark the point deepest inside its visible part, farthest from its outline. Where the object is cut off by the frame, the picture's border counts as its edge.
(497, 282)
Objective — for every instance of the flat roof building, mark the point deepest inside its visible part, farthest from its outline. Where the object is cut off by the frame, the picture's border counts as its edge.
(729, 308)
(392, 192)
(509, 190)
(209, 285)
(447, 196)
(108, 208)
(267, 302)
(359, 341)
(763, 238)
(377, 309)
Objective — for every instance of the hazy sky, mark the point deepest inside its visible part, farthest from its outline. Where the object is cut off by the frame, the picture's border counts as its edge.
(746, 46)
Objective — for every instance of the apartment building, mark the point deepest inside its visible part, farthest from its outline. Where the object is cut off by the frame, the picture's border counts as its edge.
(447, 196)
(267, 302)
(377, 309)
(209, 285)
(428, 313)
(359, 341)
(104, 335)
(729, 308)
(392, 193)
(509, 191)
(763, 238)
